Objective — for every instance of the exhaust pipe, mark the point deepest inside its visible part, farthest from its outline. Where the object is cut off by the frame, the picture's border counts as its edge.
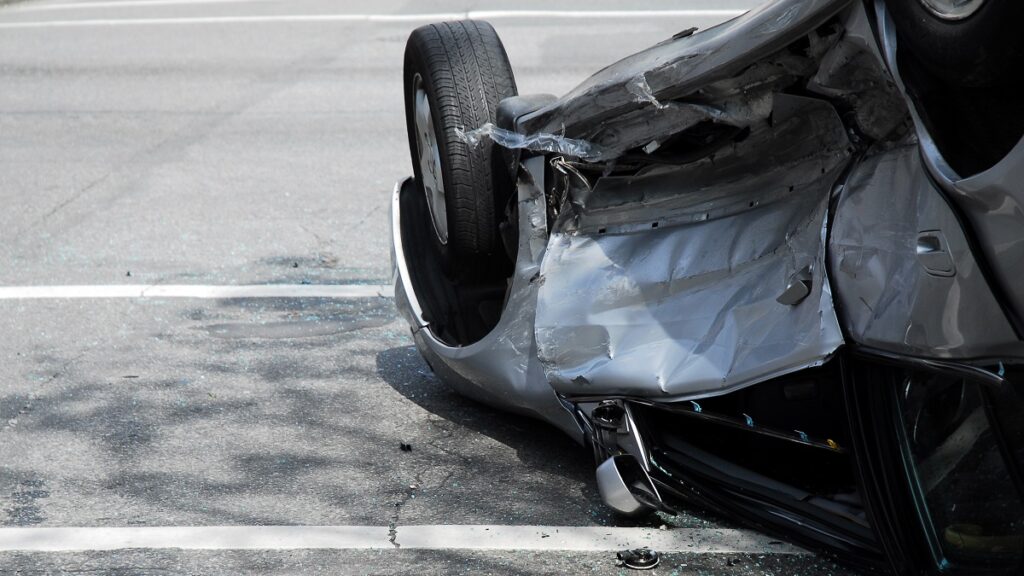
(626, 487)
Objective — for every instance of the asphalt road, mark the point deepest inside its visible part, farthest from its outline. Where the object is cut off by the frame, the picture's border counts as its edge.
(184, 142)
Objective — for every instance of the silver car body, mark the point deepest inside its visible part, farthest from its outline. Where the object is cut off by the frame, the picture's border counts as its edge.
(695, 280)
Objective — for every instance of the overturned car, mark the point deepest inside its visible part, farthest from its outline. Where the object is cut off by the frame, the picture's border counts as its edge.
(771, 268)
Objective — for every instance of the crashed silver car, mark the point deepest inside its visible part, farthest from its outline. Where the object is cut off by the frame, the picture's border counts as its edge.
(774, 268)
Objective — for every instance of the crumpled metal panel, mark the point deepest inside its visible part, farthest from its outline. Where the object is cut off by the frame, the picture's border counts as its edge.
(992, 202)
(725, 75)
(502, 368)
(680, 66)
(685, 304)
(899, 291)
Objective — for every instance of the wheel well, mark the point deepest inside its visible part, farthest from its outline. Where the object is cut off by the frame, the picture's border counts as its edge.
(973, 127)
(461, 302)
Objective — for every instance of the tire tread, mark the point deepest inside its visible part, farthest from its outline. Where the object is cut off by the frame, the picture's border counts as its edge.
(468, 73)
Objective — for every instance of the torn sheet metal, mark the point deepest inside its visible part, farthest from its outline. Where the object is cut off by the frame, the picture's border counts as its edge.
(672, 291)
(539, 142)
(632, 130)
(641, 127)
(680, 66)
(743, 101)
(502, 368)
(639, 88)
(635, 116)
(904, 272)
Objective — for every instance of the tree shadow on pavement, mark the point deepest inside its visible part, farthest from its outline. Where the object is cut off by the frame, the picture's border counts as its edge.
(538, 444)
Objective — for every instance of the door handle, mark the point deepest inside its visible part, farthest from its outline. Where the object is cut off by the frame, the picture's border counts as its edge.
(933, 253)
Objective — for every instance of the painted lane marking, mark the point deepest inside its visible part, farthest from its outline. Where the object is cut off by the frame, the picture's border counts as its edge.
(122, 4)
(605, 14)
(424, 537)
(198, 291)
(382, 18)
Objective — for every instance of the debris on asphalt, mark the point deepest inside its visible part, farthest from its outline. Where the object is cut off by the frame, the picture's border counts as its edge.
(405, 447)
(638, 558)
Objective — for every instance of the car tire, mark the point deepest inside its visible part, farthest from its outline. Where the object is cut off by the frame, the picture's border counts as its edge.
(455, 74)
(977, 44)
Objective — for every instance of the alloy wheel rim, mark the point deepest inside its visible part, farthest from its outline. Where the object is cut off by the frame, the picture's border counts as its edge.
(430, 161)
(952, 9)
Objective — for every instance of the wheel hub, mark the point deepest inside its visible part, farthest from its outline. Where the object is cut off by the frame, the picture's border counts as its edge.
(430, 161)
(952, 9)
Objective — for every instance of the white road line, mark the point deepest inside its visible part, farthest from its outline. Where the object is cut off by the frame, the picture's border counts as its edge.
(603, 14)
(198, 291)
(436, 537)
(34, 7)
(381, 18)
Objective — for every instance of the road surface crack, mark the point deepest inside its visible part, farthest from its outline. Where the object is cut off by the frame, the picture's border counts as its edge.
(442, 430)
(64, 203)
(410, 493)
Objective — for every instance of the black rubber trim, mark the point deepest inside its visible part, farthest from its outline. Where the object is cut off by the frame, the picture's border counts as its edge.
(967, 370)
